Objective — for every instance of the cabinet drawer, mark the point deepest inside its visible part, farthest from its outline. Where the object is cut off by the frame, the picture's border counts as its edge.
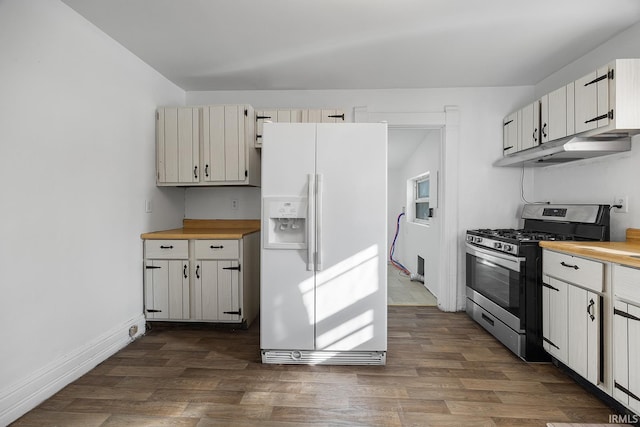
(166, 249)
(217, 249)
(580, 271)
(626, 283)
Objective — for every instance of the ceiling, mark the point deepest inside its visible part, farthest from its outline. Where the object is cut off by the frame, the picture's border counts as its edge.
(357, 44)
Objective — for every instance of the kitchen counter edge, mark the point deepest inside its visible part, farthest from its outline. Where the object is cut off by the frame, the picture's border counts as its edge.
(624, 253)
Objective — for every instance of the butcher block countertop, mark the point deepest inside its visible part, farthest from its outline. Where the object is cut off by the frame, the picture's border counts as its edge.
(627, 252)
(208, 229)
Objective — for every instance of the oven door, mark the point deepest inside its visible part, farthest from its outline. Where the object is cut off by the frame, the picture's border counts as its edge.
(496, 282)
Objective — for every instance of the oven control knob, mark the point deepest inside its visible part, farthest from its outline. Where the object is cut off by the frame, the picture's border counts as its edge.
(508, 248)
(478, 239)
(470, 239)
(497, 245)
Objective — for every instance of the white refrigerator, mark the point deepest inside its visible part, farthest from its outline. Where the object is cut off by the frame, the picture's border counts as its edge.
(323, 297)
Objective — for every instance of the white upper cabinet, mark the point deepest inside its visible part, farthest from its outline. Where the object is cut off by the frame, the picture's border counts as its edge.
(530, 126)
(557, 114)
(606, 100)
(592, 100)
(511, 134)
(297, 115)
(178, 136)
(205, 146)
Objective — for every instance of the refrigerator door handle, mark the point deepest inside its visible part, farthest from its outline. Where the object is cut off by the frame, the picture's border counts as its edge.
(318, 221)
(310, 227)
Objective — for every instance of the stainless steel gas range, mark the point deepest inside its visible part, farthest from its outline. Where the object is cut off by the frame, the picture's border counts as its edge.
(504, 271)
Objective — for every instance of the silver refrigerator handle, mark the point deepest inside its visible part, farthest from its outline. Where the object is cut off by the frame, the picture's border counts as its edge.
(318, 220)
(310, 223)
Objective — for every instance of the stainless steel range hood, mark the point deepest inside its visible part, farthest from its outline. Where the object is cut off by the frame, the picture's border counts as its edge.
(568, 150)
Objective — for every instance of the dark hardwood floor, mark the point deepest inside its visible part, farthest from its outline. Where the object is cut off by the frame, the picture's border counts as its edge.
(442, 370)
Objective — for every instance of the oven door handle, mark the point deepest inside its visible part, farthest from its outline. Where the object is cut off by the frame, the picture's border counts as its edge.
(510, 262)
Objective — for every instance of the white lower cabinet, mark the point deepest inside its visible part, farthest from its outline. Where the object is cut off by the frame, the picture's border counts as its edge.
(571, 298)
(626, 336)
(554, 319)
(167, 289)
(217, 281)
(217, 290)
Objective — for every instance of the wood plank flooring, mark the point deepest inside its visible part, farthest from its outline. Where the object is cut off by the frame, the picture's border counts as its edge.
(442, 370)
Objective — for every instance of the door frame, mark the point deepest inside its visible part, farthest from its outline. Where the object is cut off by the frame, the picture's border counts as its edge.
(450, 289)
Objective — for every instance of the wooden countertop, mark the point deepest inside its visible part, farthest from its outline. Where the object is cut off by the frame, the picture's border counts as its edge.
(208, 229)
(627, 252)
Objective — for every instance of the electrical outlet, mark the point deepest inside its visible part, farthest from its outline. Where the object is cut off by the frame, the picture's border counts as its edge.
(234, 204)
(133, 330)
(621, 200)
(148, 206)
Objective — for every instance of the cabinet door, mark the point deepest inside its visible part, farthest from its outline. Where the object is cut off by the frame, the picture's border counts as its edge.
(167, 289)
(583, 323)
(217, 288)
(529, 129)
(554, 115)
(554, 318)
(510, 143)
(626, 354)
(224, 144)
(634, 357)
(178, 139)
(592, 100)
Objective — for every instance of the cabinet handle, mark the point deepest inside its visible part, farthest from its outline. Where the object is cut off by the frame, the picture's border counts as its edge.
(506, 123)
(184, 271)
(544, 132)
(591, 307)
(564, 264)
(151, 310)
(625, 314)
(507, 148)
(262, 117)
(550, 343)
(550, 287)
(625, 391)
(195, 172)
(216, 247)
(336, 116)
(239, 312)
(232, 268)
(152, 267)
(197, 272)
(535, 135)
(166, 247)
(206, 171)
(604, 116)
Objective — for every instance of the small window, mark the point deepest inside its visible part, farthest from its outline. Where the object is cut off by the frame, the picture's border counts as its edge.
(421, 197)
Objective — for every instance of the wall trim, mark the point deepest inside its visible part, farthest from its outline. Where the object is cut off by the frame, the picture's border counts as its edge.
(451, 293)
(21, 397)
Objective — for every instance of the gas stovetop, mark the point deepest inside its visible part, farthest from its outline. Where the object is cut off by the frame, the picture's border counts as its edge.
(546, 222)
(509, 240)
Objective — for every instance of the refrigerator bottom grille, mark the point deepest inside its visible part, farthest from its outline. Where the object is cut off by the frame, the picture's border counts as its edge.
(306, 357)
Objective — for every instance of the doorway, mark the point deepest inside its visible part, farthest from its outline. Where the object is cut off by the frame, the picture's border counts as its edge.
(413, 226)
(450, 294)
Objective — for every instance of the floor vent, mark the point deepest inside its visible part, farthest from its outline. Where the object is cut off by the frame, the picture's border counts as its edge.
(295, 357)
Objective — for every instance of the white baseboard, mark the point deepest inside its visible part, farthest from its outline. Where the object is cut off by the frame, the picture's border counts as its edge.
(19, 398)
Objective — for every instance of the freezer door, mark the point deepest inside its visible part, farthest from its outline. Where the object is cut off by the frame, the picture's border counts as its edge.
(287, 297)
(351, 286)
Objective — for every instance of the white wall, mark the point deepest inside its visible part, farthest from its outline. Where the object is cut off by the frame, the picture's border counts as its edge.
(596, 180)
(77, 163)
